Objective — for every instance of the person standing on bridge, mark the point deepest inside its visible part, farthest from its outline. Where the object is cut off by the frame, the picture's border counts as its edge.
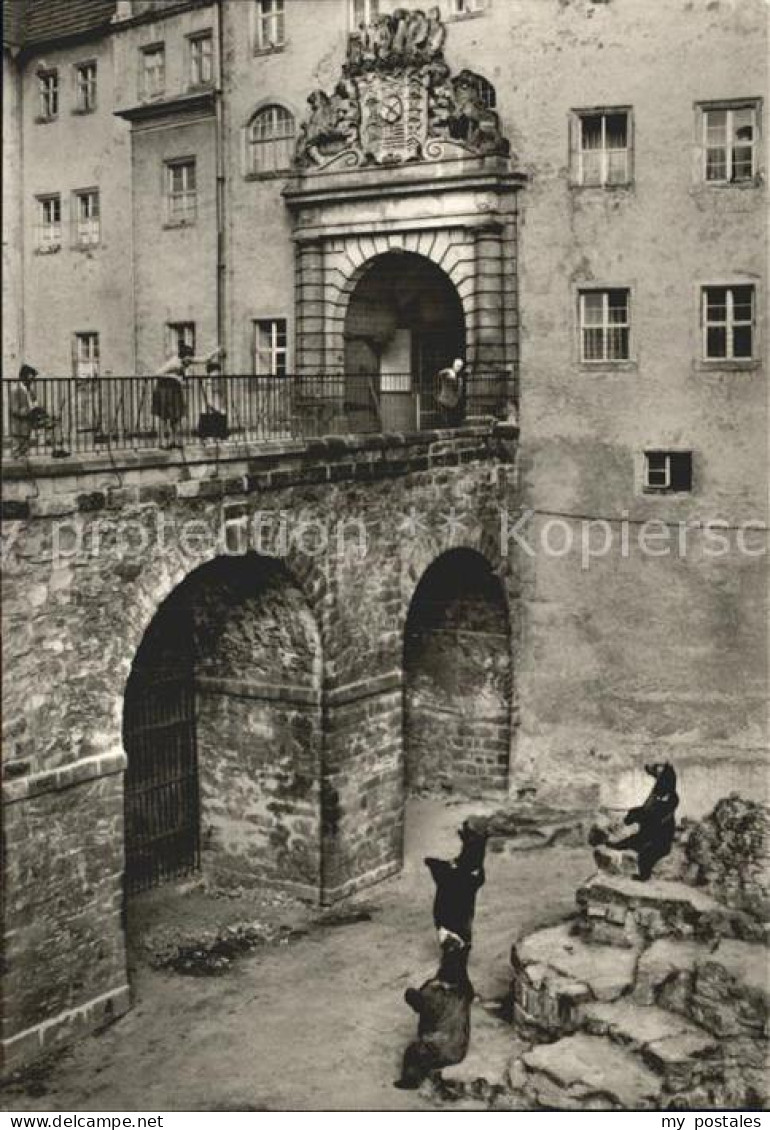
(450, 394)
(168, 397)
(23, 410)
(26, 416)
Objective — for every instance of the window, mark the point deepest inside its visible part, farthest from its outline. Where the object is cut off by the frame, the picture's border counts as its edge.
(603, 148)
(48, 89)
(270, 140)
(605, 325)
(182, 192)
(728, 323)
(86, 359)
(201, 59)
(364, 12)
(87, 223)
(666, 472)
(466, 7)
(49, 223)
(270, 347)
(153, 74)
(270, 24)
(729, 144)
(86, 87)
(177, 334)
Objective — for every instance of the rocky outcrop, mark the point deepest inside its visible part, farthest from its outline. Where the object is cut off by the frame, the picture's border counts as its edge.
(656, 994)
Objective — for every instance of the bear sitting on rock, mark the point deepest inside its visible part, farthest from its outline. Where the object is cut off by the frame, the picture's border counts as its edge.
(458, 881)
(443, 1005)
(655, 820)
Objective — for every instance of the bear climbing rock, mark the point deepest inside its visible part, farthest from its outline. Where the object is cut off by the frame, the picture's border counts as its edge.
(655, 819)
(443, 1005)
(457, 883)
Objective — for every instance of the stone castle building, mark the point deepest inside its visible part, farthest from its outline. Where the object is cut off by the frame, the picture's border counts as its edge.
(569, 194)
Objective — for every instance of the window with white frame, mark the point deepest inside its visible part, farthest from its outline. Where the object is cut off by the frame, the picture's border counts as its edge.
(270, 140)
(48, 93)
(85, 74)
(363, 12)
(270, 352)
(182, 191)
(49, 222)
(603, 154)
(466, 7)
(153, 70)
(87, 222)
(177, 335)
(605, 325)
(728, 323)
(86, 355)
(667, 472)
(201, 59)
(271, 24)
(729, 143)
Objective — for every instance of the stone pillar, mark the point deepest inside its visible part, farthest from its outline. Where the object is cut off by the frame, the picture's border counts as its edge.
(490, 333)
(309, 307)
(362, 788)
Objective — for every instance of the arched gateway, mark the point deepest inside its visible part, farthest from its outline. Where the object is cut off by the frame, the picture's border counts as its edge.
(404, 156)
(404, 322)
(222, 732)
(457, 678)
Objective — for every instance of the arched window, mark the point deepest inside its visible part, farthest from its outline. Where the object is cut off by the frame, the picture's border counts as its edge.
(270, 140)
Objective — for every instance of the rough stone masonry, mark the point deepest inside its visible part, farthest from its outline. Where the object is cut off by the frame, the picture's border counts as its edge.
(297, 656)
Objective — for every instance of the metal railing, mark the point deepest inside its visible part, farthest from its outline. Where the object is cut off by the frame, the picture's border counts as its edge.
(73, 416)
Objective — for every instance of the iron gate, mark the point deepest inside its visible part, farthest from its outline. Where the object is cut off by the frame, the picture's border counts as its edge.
(161, 804)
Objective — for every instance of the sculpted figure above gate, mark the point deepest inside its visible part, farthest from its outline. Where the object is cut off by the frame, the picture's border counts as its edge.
(396, 101)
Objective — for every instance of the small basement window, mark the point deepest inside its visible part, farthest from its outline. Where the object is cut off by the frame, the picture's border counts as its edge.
(667, 472)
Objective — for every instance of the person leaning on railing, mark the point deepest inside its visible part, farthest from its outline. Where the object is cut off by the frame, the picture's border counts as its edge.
(212, 423)
(450, 394)
(168, 397)
(27, 416)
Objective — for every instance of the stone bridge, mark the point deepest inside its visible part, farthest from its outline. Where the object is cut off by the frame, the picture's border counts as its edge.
(241, 664)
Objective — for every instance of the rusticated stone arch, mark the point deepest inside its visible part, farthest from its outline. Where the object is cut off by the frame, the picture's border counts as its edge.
(451, 250)
(481, 538)
(162, 572)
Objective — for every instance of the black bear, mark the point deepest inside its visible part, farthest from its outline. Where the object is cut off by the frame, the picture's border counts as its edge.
(457, 883)
(657, 826)
(443, 1005)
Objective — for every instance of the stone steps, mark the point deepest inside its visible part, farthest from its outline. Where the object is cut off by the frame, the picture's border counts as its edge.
(680, 1052)
(723, 988)
(584, 1072)
(483, 1074)
(619, 911)
(555, 972)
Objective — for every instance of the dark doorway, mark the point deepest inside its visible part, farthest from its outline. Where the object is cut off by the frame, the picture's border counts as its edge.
(404, 322)
(457, 679)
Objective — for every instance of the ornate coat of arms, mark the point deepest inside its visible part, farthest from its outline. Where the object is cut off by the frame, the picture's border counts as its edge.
(394, 117)
(396, 101)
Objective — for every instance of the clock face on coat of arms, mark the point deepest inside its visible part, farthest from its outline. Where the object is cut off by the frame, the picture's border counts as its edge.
(394, 116)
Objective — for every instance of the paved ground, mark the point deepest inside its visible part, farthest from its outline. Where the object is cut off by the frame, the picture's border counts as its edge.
(318, 1023)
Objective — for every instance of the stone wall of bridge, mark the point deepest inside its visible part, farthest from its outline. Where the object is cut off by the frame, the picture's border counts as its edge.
(94, 554)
